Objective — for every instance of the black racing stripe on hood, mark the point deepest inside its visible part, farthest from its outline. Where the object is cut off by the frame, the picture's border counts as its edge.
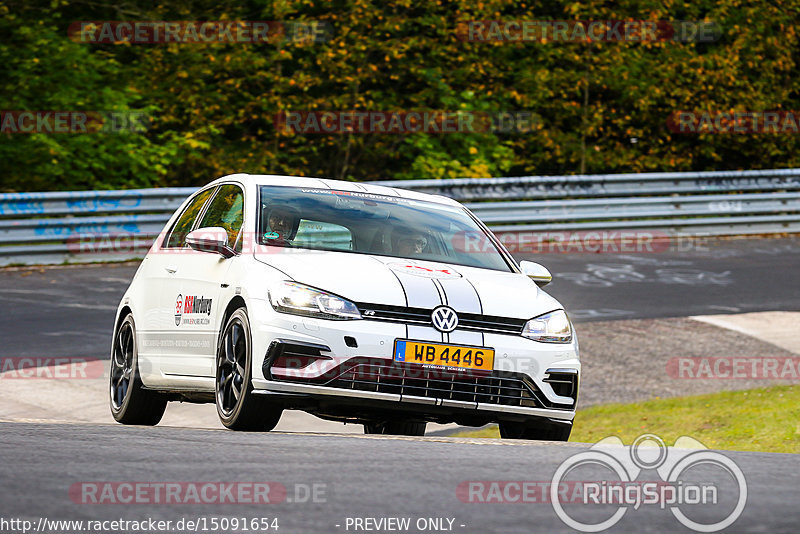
(402, 287)
(440, 289)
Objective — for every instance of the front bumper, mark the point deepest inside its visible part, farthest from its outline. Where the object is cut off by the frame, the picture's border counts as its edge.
(537, 374)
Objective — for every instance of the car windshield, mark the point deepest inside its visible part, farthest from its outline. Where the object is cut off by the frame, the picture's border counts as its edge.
(365, 223)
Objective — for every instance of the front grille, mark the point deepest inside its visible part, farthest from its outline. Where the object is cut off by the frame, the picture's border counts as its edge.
(384, 376)
(421, 316)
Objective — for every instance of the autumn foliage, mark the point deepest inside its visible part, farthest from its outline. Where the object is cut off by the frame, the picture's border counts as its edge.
(598, 106)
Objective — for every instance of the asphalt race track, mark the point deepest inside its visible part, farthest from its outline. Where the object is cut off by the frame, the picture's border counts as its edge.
(69, 312)
(355, 477)
(708, 277)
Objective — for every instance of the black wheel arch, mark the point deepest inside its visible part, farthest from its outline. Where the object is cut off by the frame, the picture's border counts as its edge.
(126, 309)
(234, 304)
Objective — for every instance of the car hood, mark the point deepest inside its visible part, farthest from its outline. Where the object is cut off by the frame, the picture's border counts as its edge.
(365, 278)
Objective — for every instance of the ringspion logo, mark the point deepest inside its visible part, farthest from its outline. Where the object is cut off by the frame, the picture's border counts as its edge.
(705, 490)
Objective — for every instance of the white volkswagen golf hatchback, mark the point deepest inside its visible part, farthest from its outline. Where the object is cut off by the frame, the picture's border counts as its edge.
(353, 302)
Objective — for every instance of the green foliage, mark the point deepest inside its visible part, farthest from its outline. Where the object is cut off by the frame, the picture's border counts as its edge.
(213, 104)
(44, 71)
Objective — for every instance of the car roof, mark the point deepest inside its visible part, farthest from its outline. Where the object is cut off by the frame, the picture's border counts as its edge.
(254, 180)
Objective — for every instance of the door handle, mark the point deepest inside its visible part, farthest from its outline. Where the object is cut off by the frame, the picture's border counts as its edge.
(171, 270)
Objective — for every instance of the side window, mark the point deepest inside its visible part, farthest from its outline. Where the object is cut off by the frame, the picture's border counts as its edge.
(226, 210)
(184, 223)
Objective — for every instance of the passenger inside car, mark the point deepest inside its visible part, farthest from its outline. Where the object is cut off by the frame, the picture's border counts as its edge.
(408, 242)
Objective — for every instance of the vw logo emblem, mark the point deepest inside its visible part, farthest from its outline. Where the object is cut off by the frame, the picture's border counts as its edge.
(444, 318)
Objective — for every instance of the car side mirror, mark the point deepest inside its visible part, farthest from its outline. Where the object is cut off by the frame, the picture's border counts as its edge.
(536, 272)
(212, 239)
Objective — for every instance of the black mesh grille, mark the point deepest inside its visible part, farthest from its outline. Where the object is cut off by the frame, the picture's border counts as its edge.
(385, 376)
(564, 384)
(291, 354)
(422, 316)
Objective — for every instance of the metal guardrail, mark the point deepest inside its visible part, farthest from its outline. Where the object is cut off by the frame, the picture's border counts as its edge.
(605, 185)
(50, 228)
(41, 228)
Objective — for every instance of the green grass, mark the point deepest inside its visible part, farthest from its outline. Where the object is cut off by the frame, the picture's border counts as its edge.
(765, 420)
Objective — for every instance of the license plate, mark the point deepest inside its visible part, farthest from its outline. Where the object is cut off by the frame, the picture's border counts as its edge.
(441, 355)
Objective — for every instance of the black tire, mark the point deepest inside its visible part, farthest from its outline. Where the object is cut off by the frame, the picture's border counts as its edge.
(542, 432)
(237, 407)
(130, 403)
(396, 428)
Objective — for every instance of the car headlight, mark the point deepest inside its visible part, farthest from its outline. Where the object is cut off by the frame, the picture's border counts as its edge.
(553, 327)
(298, 299)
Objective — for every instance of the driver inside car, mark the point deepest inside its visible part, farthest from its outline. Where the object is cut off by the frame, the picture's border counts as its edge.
(282, 224)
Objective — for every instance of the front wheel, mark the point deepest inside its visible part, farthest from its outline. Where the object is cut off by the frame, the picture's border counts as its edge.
(131, 404)
(237, 407)
(542, 432)
(397, 428)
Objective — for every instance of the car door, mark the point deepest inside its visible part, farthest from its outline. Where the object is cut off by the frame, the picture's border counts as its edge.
(201, 276)
(157, 313)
